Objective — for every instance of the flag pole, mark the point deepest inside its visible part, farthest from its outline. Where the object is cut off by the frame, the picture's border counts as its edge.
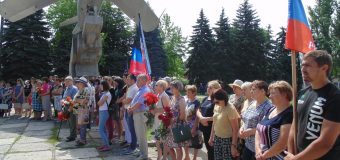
(294, 85)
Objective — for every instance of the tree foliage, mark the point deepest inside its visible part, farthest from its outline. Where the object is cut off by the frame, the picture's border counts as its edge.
(201, 54)
(25, 49)
(158, 59)
(173, 45)
(62, 39)
(224, 50)
(250, 41)
(325, 25)
(117, 39)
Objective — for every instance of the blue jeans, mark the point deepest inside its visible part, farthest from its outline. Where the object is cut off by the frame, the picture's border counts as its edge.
(131, 124)
(82, 132)
(103, 116)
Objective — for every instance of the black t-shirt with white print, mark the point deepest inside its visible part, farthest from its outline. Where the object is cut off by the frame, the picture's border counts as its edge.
(313, 107)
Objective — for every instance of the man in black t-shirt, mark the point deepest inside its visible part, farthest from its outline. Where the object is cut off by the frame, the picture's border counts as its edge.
(318, 112)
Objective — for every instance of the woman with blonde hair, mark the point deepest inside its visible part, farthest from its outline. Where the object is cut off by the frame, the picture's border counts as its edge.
(205, 115)
(191, 109)
(163, 101)
(272, 132)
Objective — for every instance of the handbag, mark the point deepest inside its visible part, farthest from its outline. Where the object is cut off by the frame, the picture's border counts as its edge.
(181, 132)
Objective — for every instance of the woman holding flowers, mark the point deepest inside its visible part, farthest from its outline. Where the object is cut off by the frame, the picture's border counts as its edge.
(163, 101)
(81, 108)
(103, 104)
(178, 107)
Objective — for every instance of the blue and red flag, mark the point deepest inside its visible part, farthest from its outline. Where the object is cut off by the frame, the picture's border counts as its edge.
(140, 59)
(299, 36)
(137, 64)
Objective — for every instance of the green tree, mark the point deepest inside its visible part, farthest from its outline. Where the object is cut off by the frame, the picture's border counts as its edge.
(201, 56)
(174, 46)
(62, 38)
(25, 49)
(158, 59)
(117, 39)
(324, 21)
(249, 40)
(281, 63)
(224, 50)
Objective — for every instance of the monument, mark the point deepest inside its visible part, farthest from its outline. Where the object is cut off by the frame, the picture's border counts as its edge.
(86, 41)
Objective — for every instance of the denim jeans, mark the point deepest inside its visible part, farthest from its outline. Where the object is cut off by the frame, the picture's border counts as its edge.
(103, 116)
(109, 126)
(82, 132)
(131, 124)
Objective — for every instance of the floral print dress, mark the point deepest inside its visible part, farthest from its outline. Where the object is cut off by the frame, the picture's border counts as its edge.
(175, 106)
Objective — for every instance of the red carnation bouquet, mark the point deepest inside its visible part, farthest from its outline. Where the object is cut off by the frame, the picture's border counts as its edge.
(162, 131)
(150, 100)
(66, 105)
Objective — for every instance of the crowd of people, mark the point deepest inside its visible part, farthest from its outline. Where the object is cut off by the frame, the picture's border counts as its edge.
(255, 122)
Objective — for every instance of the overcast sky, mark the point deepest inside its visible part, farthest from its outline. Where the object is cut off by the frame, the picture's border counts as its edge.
(184, 13)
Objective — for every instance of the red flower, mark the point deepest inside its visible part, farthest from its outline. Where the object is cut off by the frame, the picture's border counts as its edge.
(161, 117)
(61, 116)
(167, 109)
(150, 99)
(68, 99)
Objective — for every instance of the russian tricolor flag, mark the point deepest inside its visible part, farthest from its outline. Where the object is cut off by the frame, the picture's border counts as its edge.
(299, 36)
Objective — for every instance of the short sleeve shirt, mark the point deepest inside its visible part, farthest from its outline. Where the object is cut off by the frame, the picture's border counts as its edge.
(251, 117)
(139, 98)
(105, 106)
(70, 92)
(222, 117)
(131, 93)
(315, 105)
(269, 129)
(191, 109)
(207, 110)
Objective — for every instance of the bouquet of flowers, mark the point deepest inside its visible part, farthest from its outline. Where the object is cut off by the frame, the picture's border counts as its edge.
(162, 131)
(150, 100)
(66, 105)
(39, 91)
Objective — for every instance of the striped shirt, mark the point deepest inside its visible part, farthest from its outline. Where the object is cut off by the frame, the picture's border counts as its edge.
(269, 129)
(251, 117)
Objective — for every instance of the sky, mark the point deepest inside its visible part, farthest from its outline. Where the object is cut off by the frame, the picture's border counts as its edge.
(184, 13)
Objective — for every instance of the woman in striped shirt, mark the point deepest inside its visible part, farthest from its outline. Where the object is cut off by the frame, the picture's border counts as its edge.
(272, 132)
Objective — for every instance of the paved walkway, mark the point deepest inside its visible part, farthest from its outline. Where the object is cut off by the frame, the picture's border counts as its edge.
(21, 139)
